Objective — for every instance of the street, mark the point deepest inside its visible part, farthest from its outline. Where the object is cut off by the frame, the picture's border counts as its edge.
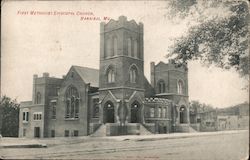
(228, 146)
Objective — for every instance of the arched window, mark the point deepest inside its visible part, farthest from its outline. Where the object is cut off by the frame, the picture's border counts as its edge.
(180, 87)
(133, 74)
(159, 112)
(95, 112)
(53, 109)
(38, 98)
(72, 74)
(164, 112)
(152, 112)
(111, 75)
(161, 86)
(115, 51)
(108, 48)
(72, 103)
(129, 47)
(136, 49)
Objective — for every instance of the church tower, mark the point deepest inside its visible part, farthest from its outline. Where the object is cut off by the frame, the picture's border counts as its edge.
(171, 82)
(121, 74)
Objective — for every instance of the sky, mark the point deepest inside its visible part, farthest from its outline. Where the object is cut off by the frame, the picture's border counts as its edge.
(33, 44)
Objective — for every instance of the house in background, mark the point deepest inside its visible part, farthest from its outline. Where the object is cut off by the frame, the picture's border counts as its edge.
(210, 119)
(117, 99)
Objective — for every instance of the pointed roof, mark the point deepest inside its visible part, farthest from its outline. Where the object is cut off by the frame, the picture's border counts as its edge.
(88, 75)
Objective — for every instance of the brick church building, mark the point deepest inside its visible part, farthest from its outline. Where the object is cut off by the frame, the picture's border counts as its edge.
(117, 99)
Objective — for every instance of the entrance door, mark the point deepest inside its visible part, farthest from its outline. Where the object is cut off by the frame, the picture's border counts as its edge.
(183, 114)
(135, 113)
(109, 112)
(162, 128)
(37, 132)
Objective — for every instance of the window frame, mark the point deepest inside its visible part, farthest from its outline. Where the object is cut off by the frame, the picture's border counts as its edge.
(129, 46)
(38, 98)
(135, 49)
(111, 75)
(115, 46)
(161, 86)
(25, 116)
(53, 110)
(37, 116)
(159, 112)
(164, 111)
(66, 133)
(72, 103)
(76, 133)
(52, 133)
(152, 112)
(133, 74)
(95, 106)
(180, 86)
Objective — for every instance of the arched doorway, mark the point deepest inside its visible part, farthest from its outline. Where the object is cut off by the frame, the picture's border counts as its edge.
(109, 113)
(183, 114)
(135, 112)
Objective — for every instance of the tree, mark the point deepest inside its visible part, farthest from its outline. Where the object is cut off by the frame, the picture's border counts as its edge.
(10, 117)
(197, 107)
(220, 39)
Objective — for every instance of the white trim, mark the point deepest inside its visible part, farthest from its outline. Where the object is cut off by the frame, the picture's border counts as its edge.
(112, 95)
(53, 100)
(121, 56)
(138, 89)
(133, 95)
(37, 112)
(26, 109)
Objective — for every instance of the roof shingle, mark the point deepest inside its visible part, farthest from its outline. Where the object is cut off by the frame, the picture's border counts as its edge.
(88, 75)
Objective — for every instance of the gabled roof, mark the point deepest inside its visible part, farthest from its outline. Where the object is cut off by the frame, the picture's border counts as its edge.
(88, 75)
(161, 64)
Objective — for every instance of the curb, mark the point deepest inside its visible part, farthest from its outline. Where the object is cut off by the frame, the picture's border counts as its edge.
(25, 146)
(177, 137)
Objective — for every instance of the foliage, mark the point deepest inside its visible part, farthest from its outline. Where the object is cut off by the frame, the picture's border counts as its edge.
(221, 40)
(10, 117)
(197, 107)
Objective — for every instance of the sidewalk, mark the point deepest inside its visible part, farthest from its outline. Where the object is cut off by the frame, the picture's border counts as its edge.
(20, 143)
(172, 135)
(48, 142)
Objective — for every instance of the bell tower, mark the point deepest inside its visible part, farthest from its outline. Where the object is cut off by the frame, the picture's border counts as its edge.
(121, 73)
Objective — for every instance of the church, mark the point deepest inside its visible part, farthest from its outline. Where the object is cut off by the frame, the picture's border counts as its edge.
(115, 100)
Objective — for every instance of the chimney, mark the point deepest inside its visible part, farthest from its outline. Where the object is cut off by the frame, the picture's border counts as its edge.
(122, 18)
(35, 76)
(152, 75)
(45, 74)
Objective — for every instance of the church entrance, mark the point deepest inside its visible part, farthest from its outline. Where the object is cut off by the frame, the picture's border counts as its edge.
(183, 114)
(109, 113)
(135, 112)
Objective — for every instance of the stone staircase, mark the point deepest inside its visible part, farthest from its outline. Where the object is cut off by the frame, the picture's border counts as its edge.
(130, 129)
(100, 132)
(144, 131)
(191, 130)
(195, 127)
(185, 128)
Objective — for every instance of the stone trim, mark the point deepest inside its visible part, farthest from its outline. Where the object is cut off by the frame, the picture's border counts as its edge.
(116, 56)
(111, 88)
